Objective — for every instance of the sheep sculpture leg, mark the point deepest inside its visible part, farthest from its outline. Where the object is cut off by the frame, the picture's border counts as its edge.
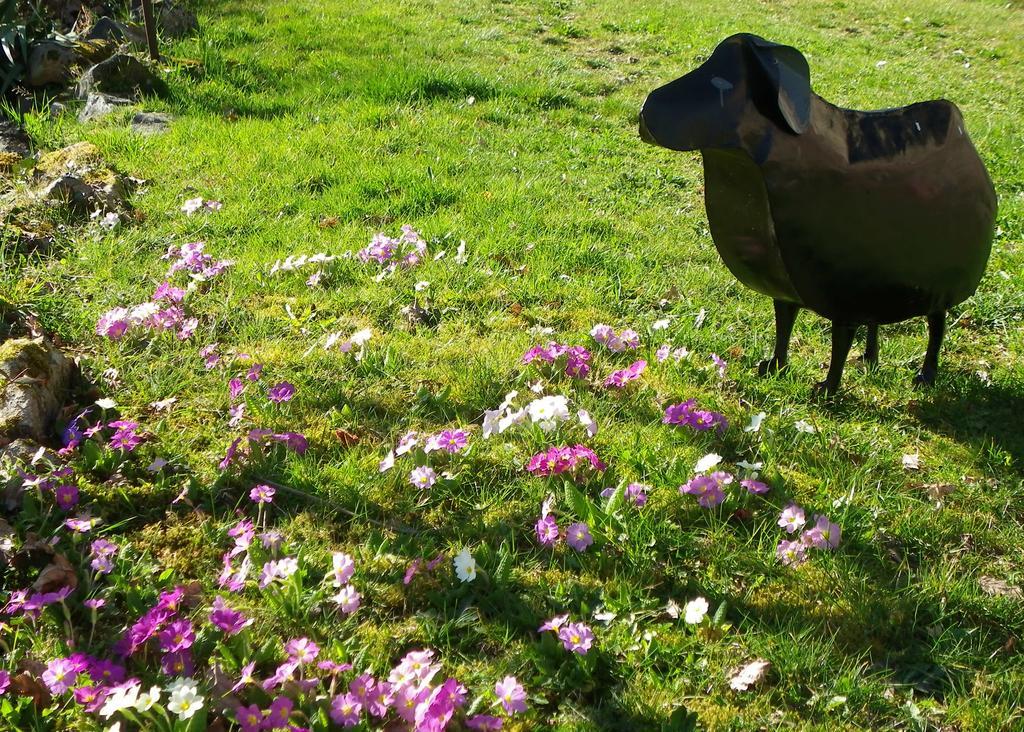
(936, 332)
(842, 339)
(785, 317)
(870, 357)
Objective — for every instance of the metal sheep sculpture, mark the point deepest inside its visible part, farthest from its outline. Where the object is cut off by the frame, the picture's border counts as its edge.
(865, 218)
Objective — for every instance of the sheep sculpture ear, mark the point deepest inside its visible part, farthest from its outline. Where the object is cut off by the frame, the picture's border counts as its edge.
(789, 73)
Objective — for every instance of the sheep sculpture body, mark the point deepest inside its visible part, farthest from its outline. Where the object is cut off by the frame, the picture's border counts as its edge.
(866, 218)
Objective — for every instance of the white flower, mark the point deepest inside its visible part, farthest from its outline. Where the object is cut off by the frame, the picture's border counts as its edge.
(912, 462)
(707, 462)
(548, 411)
(123, 697)
(192, 205)
(465, 566)
(695, 610)
(660, 324)
(749, 466)
(115, 727)
(181, 683)
(421, 286)
(110, 221)
(185, 701)
(105, 403)
(755, 422)
(460, 253)
(148, 698)
(803, 425)
(587, 421)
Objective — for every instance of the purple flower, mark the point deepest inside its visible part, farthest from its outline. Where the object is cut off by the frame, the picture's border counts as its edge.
(578, 536)
(66, 496)
(557, 460)
(101, 554)
(422, 477)
(235, 388)
(279, 713)
(791, 553)
(254, 372)
(576, 637)
(5, 681)
(226, 619)
(95, 603)
(636, 493)
(262, 494)
(719, 364)
(700, 420)
(484, 722)
(281, 392)
(447, 440)
(249, 718)
(177, 663)
(124, 437)
(547, 530)
(511, 695)
(362, 686)
(754, 486)
(345, 710)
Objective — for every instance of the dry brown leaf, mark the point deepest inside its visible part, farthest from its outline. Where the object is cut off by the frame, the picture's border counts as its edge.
(937, 491)
(999, 588)
(346, 438)
(746, 676)
(24, 684)
(56, 575)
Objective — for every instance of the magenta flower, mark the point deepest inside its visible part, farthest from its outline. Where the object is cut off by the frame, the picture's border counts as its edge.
(281, 392)
(511, 695)
(792, 518)
(167, 291)
(707, 489)
(262, 494)
(619, 379)
(578, 536)
(178, 636)
(124, 437)
(345, 710)
(422, 477)
(254, 372)
(95, 603)
(554, 624)
(447, 440)
(687, 415)
(576, 637)
(577, 459)
(484, 722)
(113, 324)
(576, 358)
(226, 619)
(547, 530)
(235, 388)
(177, 663)
(101, 554)
(791, 553)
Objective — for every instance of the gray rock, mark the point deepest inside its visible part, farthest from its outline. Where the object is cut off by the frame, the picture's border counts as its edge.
(120, 75)
(50, 62)
(34, 377)
(151, 123)
(71, 191)
(98, 106)
(57, 109)
(19, 455)
(13, 139)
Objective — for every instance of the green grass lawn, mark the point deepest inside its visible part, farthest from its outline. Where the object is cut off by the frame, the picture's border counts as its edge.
(511, 126)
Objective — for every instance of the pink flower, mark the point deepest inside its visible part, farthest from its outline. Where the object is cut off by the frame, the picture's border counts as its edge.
(576, 637)
(719, 364)
(249, 718)
(791, 553)
(485, 722)
(755, 486)
(554, 624)
(547, 530)
(823, 535)
(792, 518)
(511, 695)
(578, 536)
(637, 493)
(302, 650)
(422, 477)
(113, 324)
(262, 494)
(619, 379)
(345, 710)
